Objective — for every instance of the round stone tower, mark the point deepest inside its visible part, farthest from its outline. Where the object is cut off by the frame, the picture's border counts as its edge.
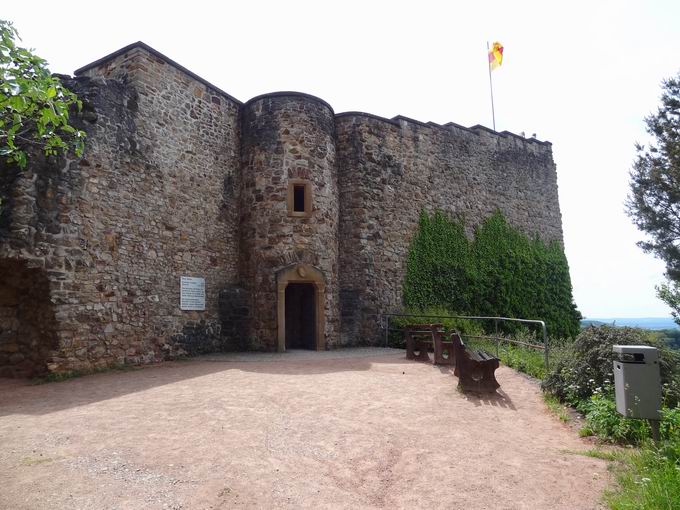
(289, 221)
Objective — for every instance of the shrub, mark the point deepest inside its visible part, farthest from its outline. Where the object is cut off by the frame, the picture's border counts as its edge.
(604, 421)
(589, 364)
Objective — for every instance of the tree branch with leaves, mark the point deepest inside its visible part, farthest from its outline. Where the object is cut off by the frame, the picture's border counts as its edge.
(34, 105)
(654, 199)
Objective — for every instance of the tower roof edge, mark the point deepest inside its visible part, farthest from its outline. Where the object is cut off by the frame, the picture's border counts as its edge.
(158, 54)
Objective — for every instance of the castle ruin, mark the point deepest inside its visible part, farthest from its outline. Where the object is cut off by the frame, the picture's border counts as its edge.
(288, 224)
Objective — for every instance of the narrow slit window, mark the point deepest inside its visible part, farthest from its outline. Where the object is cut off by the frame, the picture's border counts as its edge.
(299, 198)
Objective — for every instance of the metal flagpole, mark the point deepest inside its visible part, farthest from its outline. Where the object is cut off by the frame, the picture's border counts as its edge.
(488, 63)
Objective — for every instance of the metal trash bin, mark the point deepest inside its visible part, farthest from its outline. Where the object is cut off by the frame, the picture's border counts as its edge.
(637, 381)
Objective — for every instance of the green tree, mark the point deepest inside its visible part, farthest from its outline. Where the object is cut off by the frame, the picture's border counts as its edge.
(670, 294)
(34, 105)
(654, 199)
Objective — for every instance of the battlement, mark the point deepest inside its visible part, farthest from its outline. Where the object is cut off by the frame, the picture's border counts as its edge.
(126, 53)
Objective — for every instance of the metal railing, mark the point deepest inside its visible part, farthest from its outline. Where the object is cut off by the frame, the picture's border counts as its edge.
(385, 324)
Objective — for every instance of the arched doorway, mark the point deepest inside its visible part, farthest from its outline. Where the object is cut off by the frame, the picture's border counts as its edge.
(300, 308)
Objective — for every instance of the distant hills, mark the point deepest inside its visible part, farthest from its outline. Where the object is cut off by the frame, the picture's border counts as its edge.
(655, 323)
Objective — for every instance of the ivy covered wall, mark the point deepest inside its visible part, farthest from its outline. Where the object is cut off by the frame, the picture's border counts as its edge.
(499, 272)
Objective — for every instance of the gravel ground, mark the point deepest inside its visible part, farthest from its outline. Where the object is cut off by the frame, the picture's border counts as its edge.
(359, 428)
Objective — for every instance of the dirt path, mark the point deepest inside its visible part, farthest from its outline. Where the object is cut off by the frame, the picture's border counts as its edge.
(353, 432)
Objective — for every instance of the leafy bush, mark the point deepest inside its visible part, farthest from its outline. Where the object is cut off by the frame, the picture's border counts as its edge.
(501, 272)
(588, 366)
(604, 421)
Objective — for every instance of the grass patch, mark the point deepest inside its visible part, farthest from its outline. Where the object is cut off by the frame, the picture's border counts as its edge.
(585, 431)
(647, 480)
(596, 453)
(523, 359)
(556, 407)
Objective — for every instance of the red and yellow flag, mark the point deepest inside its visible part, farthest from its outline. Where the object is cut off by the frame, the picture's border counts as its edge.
(496, 55)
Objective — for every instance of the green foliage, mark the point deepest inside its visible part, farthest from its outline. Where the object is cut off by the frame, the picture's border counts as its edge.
(588, 364)
(596, 453)
(670, 337)
(647, 481)
(440, 272)
(501, 272)
(649, 478)
(670, 433)
(34, 105)
(556, 407)
(604, 421)
(654, 200)
(431, 315)
(523, 359)
(669, 293)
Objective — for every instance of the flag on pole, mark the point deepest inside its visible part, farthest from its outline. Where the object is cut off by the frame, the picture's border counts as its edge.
(495, 55)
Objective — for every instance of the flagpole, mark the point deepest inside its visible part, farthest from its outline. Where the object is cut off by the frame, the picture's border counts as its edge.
(488, 63)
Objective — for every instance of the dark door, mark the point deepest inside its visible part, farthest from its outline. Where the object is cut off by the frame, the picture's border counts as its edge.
(300, 316)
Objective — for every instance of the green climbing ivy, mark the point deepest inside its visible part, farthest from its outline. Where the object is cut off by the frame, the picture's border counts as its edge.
(500, 272)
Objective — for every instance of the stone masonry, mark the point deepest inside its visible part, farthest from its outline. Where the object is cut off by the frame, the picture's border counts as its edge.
(181, 179)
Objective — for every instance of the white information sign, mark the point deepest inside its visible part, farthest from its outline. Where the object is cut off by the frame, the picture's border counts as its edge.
(192, 293)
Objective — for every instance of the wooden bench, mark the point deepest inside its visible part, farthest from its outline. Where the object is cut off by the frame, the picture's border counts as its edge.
(420, 338)
(474, 368)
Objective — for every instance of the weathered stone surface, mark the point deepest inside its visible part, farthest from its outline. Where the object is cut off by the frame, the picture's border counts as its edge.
(236, 317)
(180, 179)
(287, 136)
(390, 170)
(153, 198)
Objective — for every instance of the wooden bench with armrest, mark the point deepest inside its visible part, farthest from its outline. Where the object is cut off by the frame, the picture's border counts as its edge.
(474, 368)
(421, 337)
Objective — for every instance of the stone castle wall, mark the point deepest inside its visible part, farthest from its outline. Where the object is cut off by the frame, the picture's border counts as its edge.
(180, 179)
(153, 198)
(390, 170)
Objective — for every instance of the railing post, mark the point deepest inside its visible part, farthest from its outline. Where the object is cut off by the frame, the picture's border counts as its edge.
(495, 324)
(386, 319)
(545, 345)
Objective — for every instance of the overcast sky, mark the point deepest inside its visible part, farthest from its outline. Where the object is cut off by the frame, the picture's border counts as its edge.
(582, 75)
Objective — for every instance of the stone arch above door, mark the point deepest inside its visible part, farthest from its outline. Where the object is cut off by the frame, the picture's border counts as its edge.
(300, 273)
